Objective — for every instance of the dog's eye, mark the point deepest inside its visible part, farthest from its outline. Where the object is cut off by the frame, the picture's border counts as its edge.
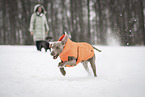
(57, 47)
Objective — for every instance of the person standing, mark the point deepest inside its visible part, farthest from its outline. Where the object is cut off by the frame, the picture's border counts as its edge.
(38, 25)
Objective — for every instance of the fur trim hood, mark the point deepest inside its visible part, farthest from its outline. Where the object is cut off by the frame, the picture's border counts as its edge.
(39, 5)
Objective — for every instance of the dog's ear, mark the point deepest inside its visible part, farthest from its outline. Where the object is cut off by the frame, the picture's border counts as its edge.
(51, 44)
(64, 40)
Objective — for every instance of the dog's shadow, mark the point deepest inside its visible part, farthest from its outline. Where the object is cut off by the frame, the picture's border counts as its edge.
(70, 79)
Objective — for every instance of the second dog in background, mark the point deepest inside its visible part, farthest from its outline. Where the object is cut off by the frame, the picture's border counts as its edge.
(45, 44)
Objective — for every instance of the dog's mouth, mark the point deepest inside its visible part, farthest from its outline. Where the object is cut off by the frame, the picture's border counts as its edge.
(55, 57)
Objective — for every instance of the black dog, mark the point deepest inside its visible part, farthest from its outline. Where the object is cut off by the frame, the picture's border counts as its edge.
(45, 44)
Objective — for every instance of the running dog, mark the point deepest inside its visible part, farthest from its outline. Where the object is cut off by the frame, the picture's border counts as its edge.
(71, 53)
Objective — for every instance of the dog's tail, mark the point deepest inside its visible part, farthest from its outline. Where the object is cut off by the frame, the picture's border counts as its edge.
(96, 49)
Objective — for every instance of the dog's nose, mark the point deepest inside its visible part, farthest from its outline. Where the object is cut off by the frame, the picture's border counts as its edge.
(52, 53)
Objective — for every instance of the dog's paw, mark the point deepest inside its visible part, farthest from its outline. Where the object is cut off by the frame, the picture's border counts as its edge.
(63, 72)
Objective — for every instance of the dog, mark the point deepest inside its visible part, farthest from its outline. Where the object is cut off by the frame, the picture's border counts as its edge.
(45, 44)
(71, 53)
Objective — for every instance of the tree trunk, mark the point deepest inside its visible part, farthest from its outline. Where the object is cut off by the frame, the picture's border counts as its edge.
(142, 19)
(12, 6)
(81, 22)
(72, 20)
(88, 33)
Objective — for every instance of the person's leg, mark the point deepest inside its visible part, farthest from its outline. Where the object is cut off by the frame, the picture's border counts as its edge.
(37, 45)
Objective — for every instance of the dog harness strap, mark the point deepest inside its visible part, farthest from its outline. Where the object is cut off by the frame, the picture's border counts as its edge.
(77, 53)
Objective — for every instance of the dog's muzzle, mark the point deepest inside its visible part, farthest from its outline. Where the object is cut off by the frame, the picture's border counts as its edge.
(54, 56)
(52, 53)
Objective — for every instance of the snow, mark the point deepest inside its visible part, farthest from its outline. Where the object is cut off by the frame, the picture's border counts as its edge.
(25, 72)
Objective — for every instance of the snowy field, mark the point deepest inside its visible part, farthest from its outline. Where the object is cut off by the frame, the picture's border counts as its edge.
(25, 72)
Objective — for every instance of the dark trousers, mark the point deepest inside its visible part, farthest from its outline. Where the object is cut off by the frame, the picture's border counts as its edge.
(38, 45)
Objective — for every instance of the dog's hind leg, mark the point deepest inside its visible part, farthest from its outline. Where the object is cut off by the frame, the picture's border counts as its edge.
(92, 62)
(85, 64)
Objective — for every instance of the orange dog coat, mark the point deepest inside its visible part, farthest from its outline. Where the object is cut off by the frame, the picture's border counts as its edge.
(80, 50)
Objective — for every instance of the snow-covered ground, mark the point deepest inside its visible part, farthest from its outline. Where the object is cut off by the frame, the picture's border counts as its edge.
(25, 72)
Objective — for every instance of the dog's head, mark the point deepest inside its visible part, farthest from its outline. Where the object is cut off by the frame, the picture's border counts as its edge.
(57, 46)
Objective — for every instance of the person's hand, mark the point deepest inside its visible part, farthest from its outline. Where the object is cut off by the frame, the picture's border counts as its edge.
(46, 32)
(31, 33)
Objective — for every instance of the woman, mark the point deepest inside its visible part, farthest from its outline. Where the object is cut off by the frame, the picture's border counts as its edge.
(38, 25)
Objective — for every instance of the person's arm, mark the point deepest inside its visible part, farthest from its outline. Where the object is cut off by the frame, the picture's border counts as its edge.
(32, 21)
(46, 25)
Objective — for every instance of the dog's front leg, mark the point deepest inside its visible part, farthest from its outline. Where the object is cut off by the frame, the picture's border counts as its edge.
(63, 64)
(63, 72)
(71, 61)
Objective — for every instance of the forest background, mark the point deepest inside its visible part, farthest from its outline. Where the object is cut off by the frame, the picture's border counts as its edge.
(99, 22)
